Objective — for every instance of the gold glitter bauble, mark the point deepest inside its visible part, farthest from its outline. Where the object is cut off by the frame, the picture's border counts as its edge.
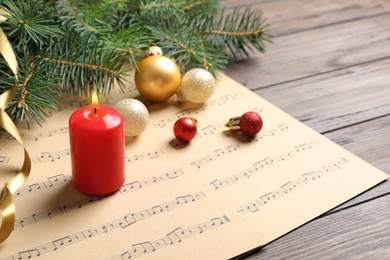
(135, 116)
(157, 78)
(197, 85)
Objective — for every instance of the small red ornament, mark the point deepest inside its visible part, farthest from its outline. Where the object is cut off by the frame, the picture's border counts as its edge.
(185, 128)
(250, 123)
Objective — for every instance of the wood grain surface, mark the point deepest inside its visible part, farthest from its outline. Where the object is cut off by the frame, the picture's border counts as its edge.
(329, 67)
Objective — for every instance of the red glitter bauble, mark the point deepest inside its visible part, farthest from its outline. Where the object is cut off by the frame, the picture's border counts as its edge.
(251, 123)
(185, 128)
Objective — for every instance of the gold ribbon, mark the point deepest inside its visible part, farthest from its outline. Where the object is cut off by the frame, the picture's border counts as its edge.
(7, 205)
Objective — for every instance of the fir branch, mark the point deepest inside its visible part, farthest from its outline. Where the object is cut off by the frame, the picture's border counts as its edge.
(73, 18)
(84, 67)
(30, 23)
(99, 68)
(128, 43)
(196, 8)
(239, 32)
(36, 91)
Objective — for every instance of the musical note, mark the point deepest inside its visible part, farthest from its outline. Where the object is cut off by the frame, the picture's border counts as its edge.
(297, 150)
(71, 206)
(217, 154)
(155, 210)
(178, 144)
(45, 157)
(253, 206)
(28, 254)
(162, 123)
(217, 184)
(289, 186)
(34, 187)
(57, 179)
(208, 130)
(58, 243)
(127, 221)
(264, 199)
(120, 223)
(176, 236)
(145, 247)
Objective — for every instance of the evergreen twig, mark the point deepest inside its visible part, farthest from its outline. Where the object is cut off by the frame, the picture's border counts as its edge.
(75, 46)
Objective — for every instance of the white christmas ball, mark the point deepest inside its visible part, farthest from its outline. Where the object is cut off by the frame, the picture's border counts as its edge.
(135, 116)
(197, 85)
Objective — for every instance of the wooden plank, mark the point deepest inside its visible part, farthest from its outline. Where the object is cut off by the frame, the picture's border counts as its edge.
(311, 53)
(300, 15)
(369, 141)
(337, 99)
(360, 232)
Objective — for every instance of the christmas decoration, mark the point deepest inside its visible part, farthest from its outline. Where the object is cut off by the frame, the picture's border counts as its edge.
(185, 128)
(135, 115)
(97, 146)
(7, 204)
(74, 47)
(157, 77)
(197, 86)
(250, 123)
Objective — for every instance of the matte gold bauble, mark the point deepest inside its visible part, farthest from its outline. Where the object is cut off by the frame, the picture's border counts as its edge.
(197, 85)
(157, 78)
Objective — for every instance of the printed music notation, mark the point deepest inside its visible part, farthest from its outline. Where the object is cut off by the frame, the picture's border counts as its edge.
(52, 181)
(148, 155)
(196, 110)
(50, 157)
(122, 223)
(173, 237)
(71, 206)
(215, 156)
(50, 133)
(280, 128)
(72, 105)
(262, 165)
(219, 153)
(290, 186)
(6, 135)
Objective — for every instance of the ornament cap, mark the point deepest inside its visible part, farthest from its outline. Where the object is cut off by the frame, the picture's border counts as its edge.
(234, 123)
(154, 50)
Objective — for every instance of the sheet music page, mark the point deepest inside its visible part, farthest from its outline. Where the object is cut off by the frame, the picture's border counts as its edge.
(216, 197)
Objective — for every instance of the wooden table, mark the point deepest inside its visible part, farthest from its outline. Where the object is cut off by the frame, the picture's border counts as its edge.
(329, 67)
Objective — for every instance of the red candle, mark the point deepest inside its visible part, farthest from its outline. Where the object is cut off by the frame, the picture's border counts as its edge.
(97, 149)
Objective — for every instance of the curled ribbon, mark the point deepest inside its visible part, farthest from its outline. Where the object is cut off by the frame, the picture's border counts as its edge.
(7, 205)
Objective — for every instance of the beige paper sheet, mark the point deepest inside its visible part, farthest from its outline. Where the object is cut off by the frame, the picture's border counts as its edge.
(217, 197)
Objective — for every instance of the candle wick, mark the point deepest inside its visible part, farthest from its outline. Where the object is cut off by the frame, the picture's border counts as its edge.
(95, 112)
